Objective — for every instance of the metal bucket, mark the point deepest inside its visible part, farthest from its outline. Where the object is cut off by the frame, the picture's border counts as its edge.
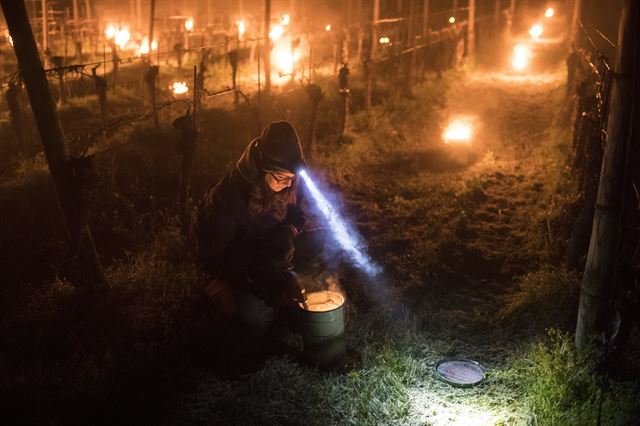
(323, 322)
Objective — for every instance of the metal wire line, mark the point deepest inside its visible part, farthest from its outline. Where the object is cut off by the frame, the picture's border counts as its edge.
(601, 56)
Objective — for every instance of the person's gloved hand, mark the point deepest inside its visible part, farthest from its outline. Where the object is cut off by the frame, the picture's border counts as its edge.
(294, 286)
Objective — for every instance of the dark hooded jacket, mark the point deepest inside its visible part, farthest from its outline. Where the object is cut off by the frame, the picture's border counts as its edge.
(237, 217)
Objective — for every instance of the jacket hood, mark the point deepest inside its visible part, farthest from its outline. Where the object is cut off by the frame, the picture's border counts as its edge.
(247, 165)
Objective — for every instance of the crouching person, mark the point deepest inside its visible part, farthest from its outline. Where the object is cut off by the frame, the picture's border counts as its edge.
(250, 232)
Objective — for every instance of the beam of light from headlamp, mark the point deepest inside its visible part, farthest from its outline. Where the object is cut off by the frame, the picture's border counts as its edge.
(347, 238)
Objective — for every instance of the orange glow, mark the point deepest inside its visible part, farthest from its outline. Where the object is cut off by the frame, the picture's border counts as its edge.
(452, 20)
(120, 36)
(110, 32)
(276, 32)
(521, 56)
(179, 87)
(327, 27)
(384, 40)
(242, 28)
(144, 46)
(285, 19)
(188, 24)
(459, 130)
(549, 12)
(536, 31)
(284, 59)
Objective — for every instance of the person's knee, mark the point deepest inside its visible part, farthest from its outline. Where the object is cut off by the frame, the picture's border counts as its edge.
(223, 299)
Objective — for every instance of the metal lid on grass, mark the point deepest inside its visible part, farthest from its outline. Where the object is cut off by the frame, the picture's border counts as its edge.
(460, 372)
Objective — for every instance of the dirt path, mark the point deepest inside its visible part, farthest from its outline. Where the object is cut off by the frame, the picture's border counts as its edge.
(459, 223)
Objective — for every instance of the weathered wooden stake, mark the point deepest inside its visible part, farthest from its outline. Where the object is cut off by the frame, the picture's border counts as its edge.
(151, 78)
(233, 61)
(471, 25)
(345, 93)
(314, 93)
(426, 38)
(187, 127)
(410, 59)
(152, 20)
(370, 55)
(101, 91)
(69, 190)
(13, 95)
(267, 47)
(599, 273)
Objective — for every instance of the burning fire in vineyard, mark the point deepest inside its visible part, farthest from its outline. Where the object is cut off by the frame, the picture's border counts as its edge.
(179, 88)
(459, 130)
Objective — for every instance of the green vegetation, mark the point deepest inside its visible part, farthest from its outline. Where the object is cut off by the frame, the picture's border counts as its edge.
(563, 387)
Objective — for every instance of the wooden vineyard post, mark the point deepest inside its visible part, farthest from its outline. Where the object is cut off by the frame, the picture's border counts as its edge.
(68, 187)
(186, 126)
(314, 93)
(233, 61)
(410, 60)
(471, 25)
(370, 55)
(425, 39)
(267, 48)
(13, 96)
(345, 93)
(600, 269)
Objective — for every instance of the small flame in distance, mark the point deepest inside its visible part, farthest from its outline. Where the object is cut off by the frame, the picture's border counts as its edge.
(242, 28)
(459, 130)
(179, 88)
(536, 31)
(521, 55)
(276, 32)
(188, 24)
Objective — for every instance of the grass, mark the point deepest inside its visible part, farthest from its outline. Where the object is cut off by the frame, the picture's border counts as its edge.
(564, 387)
